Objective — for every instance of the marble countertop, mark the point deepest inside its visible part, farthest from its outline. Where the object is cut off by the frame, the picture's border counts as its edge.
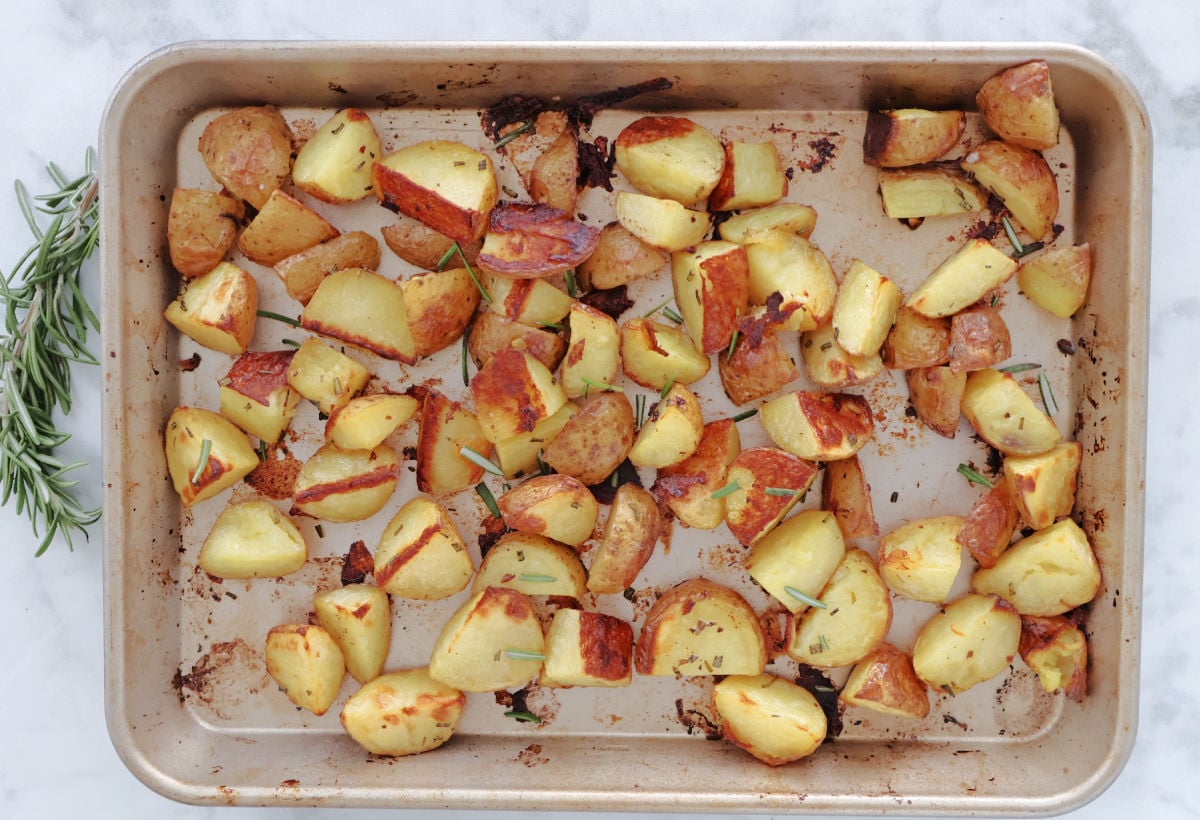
(62, 60)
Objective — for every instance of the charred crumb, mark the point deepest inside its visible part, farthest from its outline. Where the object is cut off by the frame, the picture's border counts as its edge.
(190, 363)
(357, 564)
(718, 219)
(821, 687)
(597, 164)
(587, 107)
(337, 88)
(952, 720)
(995, 461)
(605, 491)
(493, 529)
(984, 229)
(610, 301)
(1066, 347)
(826, 152)
(696, 721)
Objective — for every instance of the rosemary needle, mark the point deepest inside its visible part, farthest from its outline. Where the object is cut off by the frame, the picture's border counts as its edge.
(46, 322)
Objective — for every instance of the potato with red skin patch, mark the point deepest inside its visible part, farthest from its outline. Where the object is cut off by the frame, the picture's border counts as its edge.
(700, 627)
(421, 553)
(439, 305)
(619, 258)
(670, 157)
(403, 713)
(446, 185)
(359, 619)
(885, 682)
(556, 506)
(767, 482)
(594, 441)
(686, 488)
(513, 391)
(988, 528)
(491, 333)
(249, 151)
(345, 485)
(846, 493)
(587, 649)
(445, 428)
(472, 651)
(255, 394)
(528, 241)
(759, 366)
(1018, 104)
(818, 426)
(712, 288)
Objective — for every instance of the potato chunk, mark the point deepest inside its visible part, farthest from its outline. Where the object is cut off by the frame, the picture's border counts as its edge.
(307, 664)
(346, 485)
(201, 228)
(359, 619)
(857, 613)
(1018, 104)
(786, 263)
(661, 223)
(366, 421)
(1058, 279)
(1021, 178)
(252, 540)
(885, 682)
(1043, 486)
(532, 564)
(763, 484)
(865, 309)
(818, 426)
(630, 533)
(255, 394)
(587, 649)
(798, 556)
(249, 151)
(1056, 649)
(556, 506)
(670, 157)
(334, 165)
(446, 185)
(362, 308)
(421, 554)
(700, 627)
(326, 376)
(1049, 573)
(529, 240)
(773, 719)
(712, 288)
(753, 177)
(671, 431)
(445, 428)
(910, 136)
(403, 713)
(962, 280)
(973, 639)
(655, 355)
(494, 641)
(687, 488)
(217, 310)
(206, 453)
(513, 392)
(1005, 416)
(619, 258)
(593, 357)
(283, 227)
(594, 441)
(921, 559)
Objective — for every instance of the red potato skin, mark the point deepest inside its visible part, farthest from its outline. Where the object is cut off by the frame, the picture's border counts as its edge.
(979, 338)
(845, 480)
(365, 481)
(515, 504)
(988, 528)
(257, 375)
(398, 193)
(836, 416)
(727, 294)
(892, 682)
(771, 467)
(535, 240)
(605, 645)
(498, 383)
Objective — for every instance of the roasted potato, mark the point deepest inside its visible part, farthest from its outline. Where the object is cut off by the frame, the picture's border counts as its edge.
(921, 559)
(971, 640)
(252, 539)
(1018, 104)
(661, 223)
(962, 280)
(365, 422)
(518, 456)
(514, 391)
(403, 713)
(421, 553)
(359, 619)
(758, 366)
(910, 136)
(670, 157)
(217, 310)
(1005, 417)
(420, 245)
(655, 355)
(201, 228)
(439, 305)
(446, 427)
(334, 165)
(846, 494)
(529, 240)
(255, 394)
(700, 627)
(753, 177)
(446, 185)
(554, 178)
(916, 340)
(593, 357)
(630, 534)
(671, 431)
(365, 309)
(763, 484)
(795, 560)
(302, 272)
(818, 426)
(1021, 179)
(1043, 486)
(587, 649)
(325, 376)
(619, 258)
(1056, 649)
(885, 682)
(865, 309)
(491, 333)
(307, 664)
(791, 217)
(855, 615)
(941, 189)
(830, 365)
(345, 485)
(686, 488)
(532, 564)
(249, 151)
(594, 441)
(773, 719)
(206, 453)
(1048, 573)
(1057, 279)
(284, 226)
(494, 641)
(712, 288)
(988, 528)
(979, 338)
(530, 301)
(935, 394)
(556, 506)
(786, 263)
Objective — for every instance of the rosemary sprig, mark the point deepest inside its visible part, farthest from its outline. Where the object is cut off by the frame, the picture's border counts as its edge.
(457, 249)
(524, 655)
(1047, 394)
(569, 281)
(202, 462)
(805, 598)
(1011, 233)
(523, 717)
(480, 460)
(46, 322)
(1019, 368)
(746, 414)
(489, 500)
(536, 578)
(974, 476)
(729, 489)
(512, 135)
(278, 317)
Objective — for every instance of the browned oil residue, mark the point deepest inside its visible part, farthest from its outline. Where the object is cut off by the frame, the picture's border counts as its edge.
(531, 755)
(221, 675)
(696, 721)
(822, 688)
(275, 477)
(357, 564)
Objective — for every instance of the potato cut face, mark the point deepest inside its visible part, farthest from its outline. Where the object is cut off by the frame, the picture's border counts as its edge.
(306, 662)
(974, 270)
(791, 217)
(670, 157)
(1043, 486)
(655, 355)
(818, 426)
(1021, 178)
(753, 177)
(439, 305)
(925, 191)
(255, 394)
(699, 627)
(446, 427)
(1004, 415)
(593, 357)
(513, 392)
(885, 682)
(856, 616)
(865, 309)
(783, 262)
(772, 718)
(217, 310)
(303, 272)
(1048, 573)
(532, 564)
(403, 713)
(448, 186)
(530, 301)
(921, 559)
(421, 553)
(661, 223)
(253, 539)
(359, 619)
(518, 456)
(1058, 279)
(346, 485)
(362, 308)
(671, 431)
(828, 364)
(712, 288)
(493, 641)
(334, 165)
(687, 488)
(556, 506)
(762, 486)
(206, 453)
(971, 640)
(588, 649)
(796, 559)
(326, 376)
(364, 422)
(1056, 649)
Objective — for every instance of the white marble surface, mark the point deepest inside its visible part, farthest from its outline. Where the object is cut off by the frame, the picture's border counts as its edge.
(62, 58)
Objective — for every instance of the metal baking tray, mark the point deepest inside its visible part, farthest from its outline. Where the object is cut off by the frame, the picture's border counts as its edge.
(190, 707)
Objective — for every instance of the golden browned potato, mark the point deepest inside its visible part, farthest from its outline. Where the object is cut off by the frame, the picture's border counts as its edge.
(971, 640)
(855, 615)
(201, 228)
(1043, 486)
(818, 426)
(421, 553)
(217, 310)
(525, 144)
(700, 627)
(593, 357)
(439, 305)
(518, 455)
(365, 309)
(979, 338)
(791, 217)
(494, 641)
(255, 394)
(661, 223)
(284, 226)
(326, 376)
(671, 431)
(1058, 279)
(759, 365)
(365, 422)
(783, 262)
(936, 396)
(532, 564)
(446, 185)
(775, 720)
(619, 258)
(513, 392)
(529, 240)
(1048, 573)
(628, 542)
(1021, 178)
(252, 539)
(1056, 649)
(446, 427)
(655, 355)
(762, 485)
(529, 301)
(988, 528)
(941, 189)
(554, 178)
(418, 244)
(403, 713)
(206, 453)
(830, 365)
(916, 340)
(302, 272)
(491, 333)
(345, 485)
(307, 664)
(359, 619)
(795, 560)
(249, 151)
(921, 559)
(1004, 415)
(334, 165)
(910, 136)
(587, 649)
(1018, 104)
(594, 441)
(885, 682)
(753, 177)
(556, 506)
(847, 495)
(865, 309)
(971, 272)
(712, 288)
(686, 488)
(670, 157)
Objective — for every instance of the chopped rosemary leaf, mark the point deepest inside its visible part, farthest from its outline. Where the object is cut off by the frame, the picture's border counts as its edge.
(1028, 249)
(728, 489)
(489, 500)
(1011, 233)
(615, 478)
(639, 403)
(804, 597)
(569, 279)
(290, 342)
(202, 464)
(610, 388)
(1019, 368)
(824, 643)
(974, 476)
(465, 356)
(524, 655)
(745, 414)
(657, 307)
(1047, 394)
(262, 451)
(453, 249)
(487, 297)
(786, 491)
(536, 578)
(662, 394)
(320, 531)
(279, 317)
(673, 315)
(733, 339)
(480, 460)
(551, 325)
(512, 135)
(524, 717)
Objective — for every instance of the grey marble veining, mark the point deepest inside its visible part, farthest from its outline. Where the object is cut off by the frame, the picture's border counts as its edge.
(62, 59)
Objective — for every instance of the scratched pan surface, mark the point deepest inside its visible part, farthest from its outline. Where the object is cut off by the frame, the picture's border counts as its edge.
(189, 705)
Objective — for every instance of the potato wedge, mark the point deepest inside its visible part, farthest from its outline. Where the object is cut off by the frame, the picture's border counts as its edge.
(529, 301)
(885, 682)
(446, 185)
(753, 177)
(791, 217)
(420, 245)
(661, 223)
(438, 307)
(252, 539)
(494, 641)
(1005, 416)
(1018, 104)
(670, 157)
(762, 486)
(630, 533)
(773, 719)
(446, 427)
(491, 333)
(334, 165)
(988, 528)
(979, 338)
(201, 228)
(619, 258)
(513, 392)
(421, 554)
(255, 394)
(532, 564)
(671, 431)
(1057, 279)
(528, 240)
(1047, 573)
(940, 189)
(593, 357)
(1056, 649)
(594, 441)
(962, 279)
(283, 226)
(1043, 486)
(307, 664)
(712, 288)
(865, 309)
(830, 365)
(921, 559)
(587, 649)
(403, 713)
(759, 365)
(935, 394)
(1021, 178)
(217, 310)
(910, 136)
(971, 640)
(323, 375)
(916, 340)
(518, 456)
(857, 613)
(846, 494)
(206, 453)
(302, 272)
(249, 151)
(700, 627)
(345, 485)
(359, 619)
(786, 263)
(818, 426)
(686, 488)
(795, 560)
(363, 308)
(365, 422)
(655, 355)
(554, 178)
(556, 506)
